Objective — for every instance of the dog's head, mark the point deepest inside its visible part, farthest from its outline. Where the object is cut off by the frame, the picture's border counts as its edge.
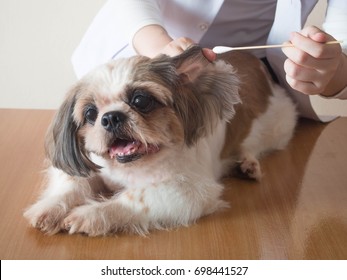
(131, 110)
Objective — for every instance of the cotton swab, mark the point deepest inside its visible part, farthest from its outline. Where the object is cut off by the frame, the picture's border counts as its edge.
(223, 49)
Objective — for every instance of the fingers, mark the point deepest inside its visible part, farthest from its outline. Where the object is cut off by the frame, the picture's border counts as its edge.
(300, 57)
(209, 54)
(177, 46)
(315, 45)
(311, 63)
(308, 88)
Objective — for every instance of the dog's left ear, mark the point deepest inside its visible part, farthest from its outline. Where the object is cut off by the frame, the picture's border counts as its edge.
(64, 148)
(207, 93)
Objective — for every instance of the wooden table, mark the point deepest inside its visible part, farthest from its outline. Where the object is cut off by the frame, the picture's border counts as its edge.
(298, 210)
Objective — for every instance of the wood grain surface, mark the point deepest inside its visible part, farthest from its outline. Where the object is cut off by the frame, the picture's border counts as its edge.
(298, 210)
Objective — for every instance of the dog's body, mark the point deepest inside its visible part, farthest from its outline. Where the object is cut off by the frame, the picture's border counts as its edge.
(141, 143)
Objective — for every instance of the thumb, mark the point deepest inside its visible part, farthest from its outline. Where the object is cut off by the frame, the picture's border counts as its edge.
(209, 54)
(315, 34)
(319, 37)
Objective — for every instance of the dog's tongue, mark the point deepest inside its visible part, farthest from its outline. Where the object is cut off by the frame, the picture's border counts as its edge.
(124, 147)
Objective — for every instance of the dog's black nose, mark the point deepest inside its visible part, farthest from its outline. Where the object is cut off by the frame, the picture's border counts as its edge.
(111, 120)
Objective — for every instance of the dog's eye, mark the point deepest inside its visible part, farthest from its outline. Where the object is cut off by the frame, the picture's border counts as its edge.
(142, 101)
(91, 113)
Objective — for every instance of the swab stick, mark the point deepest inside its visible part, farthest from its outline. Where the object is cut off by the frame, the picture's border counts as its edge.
(223, 49)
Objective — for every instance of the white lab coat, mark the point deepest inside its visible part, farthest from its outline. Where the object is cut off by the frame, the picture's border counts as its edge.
(110, 34)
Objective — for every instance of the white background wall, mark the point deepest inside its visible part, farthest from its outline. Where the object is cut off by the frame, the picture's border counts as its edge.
(37, 38)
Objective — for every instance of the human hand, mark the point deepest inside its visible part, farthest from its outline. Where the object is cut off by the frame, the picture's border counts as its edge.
(313, 67)
(179, 45)
(152, 40)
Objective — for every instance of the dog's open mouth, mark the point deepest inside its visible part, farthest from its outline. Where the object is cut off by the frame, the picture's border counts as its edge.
(127, 150)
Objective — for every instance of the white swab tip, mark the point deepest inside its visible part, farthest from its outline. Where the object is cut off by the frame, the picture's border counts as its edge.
(221, 49)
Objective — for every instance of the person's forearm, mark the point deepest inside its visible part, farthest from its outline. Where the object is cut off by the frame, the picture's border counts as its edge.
(150, 40)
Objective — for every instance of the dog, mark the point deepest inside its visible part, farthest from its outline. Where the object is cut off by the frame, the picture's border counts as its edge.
(141, 144)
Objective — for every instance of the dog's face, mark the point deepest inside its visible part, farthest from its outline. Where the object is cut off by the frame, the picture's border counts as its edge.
(132, 110)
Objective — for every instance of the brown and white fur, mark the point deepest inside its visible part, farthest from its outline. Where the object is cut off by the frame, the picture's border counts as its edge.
(141, 143)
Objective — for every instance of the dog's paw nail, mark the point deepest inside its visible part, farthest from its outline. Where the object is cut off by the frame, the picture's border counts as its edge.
(67, 227)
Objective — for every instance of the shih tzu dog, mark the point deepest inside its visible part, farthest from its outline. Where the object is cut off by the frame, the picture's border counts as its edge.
(141, 143)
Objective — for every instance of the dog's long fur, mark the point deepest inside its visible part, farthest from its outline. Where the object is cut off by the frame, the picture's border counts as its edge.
(141, 143)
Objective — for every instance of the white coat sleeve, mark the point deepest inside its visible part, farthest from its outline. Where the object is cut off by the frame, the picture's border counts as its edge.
(111, 32)
(335, 24)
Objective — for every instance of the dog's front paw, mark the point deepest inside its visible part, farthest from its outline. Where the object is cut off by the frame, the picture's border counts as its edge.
(88, 219)
(249, 167)
(47, 217)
